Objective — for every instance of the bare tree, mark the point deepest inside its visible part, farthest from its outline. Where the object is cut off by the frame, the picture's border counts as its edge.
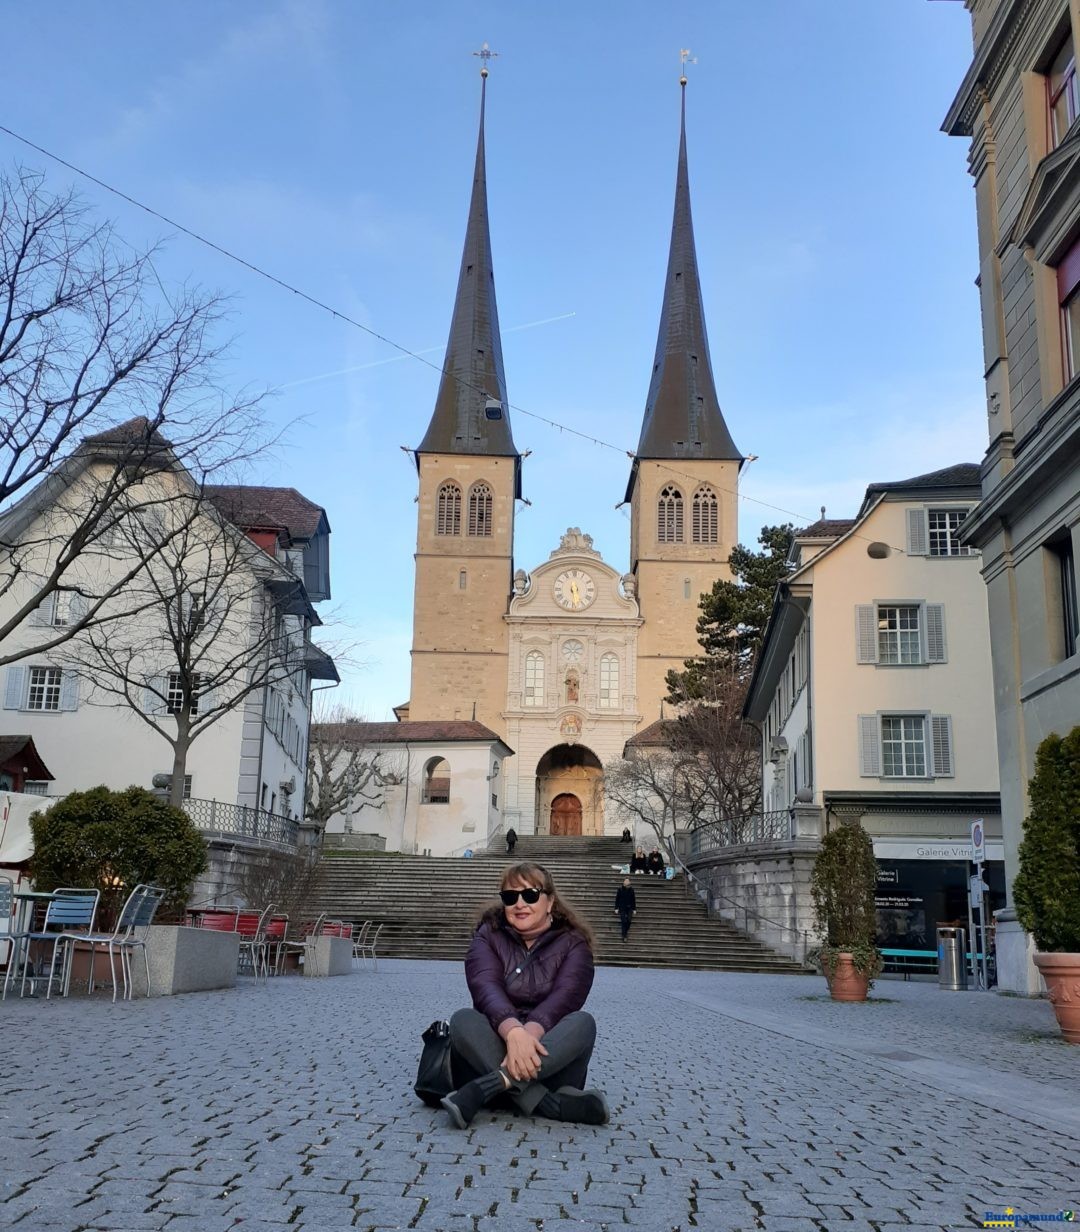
(344, 771)
(107, 381)
(657, 786)
(719, 750)
(217, 620)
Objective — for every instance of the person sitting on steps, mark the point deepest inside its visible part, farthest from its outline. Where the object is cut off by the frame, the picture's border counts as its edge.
(655, 864)
(627, 837)
(638, 864)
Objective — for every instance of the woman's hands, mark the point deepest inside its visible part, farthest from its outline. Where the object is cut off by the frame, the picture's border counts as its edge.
(523, 1055)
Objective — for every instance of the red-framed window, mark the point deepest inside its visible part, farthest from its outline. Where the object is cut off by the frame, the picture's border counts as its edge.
(1062, 92)
(1068, 285)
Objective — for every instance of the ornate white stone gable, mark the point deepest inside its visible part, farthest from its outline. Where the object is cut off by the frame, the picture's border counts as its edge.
(574, 543)
(574, 583)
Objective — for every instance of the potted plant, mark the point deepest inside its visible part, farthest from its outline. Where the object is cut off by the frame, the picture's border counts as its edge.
(1047, 888)
(843, 884)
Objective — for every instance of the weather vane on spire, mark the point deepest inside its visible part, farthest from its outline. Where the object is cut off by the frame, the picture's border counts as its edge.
(685, 58)
(485, 53)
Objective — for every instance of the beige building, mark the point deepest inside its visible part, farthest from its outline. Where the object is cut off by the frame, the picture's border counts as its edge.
(1018, 105)
(566, 661)
(874, 696)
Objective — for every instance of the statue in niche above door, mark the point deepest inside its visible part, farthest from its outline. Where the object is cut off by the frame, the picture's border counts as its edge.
(572, 685)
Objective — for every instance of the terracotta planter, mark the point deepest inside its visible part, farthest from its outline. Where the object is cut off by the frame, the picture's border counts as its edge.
(1062, 975)
(845, 982)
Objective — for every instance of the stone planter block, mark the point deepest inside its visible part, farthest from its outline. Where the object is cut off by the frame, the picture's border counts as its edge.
(333, 955)
(186, 959)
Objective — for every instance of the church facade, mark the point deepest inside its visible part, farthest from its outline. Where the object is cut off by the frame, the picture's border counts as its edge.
(564, 662)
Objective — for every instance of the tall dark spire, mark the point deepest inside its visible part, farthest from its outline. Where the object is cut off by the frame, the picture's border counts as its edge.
(471, 414)
(682, 414)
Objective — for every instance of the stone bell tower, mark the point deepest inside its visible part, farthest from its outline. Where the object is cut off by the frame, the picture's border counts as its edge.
(470, 477)
(683, 488)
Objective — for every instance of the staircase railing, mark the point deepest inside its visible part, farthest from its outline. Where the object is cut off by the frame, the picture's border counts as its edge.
(706, 895)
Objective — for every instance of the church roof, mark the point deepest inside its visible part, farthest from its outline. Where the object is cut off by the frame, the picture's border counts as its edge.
(683, 418)
(413, 731)
(471, 414)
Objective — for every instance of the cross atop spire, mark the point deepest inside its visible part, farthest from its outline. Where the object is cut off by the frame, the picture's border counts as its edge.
(471, 414)
(682, 417)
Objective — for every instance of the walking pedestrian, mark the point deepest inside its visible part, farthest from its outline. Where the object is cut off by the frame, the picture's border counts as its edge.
(511, 841)
(625, 906)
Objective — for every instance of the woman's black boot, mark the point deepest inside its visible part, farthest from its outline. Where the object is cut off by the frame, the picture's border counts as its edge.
(464, 1103)
(570, 1104)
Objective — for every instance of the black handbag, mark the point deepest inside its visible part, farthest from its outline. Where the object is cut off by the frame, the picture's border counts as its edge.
(435, 1075)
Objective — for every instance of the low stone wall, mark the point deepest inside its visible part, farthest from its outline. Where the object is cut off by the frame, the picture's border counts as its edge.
(355, 842)
(764, 890)
(185, 960)
(333, 956)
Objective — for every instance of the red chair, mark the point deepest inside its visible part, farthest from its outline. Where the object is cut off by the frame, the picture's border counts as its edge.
(277, 931)
(219, 919)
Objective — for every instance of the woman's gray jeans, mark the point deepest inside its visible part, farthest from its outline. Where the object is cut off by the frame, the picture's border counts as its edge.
(477, 1049)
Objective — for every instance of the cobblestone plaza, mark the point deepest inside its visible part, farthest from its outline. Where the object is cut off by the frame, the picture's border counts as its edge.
(738, 1103)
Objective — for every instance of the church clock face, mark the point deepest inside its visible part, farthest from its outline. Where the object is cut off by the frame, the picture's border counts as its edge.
(574, 590)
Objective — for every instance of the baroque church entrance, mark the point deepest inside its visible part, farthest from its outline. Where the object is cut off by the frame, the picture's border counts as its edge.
(570, 791)
(566, 814)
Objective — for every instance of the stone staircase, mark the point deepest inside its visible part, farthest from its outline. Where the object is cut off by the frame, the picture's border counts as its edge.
(429, 906)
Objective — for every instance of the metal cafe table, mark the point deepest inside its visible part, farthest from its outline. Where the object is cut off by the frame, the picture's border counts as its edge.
(27, 903)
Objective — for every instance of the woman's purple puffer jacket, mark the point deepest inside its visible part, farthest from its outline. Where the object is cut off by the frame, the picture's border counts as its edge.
(540, 985)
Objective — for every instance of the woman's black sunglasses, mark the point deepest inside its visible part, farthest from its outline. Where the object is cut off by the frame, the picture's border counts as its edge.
(529, 895)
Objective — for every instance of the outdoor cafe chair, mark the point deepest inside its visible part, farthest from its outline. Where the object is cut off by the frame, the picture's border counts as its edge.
(7, 906)
(276, 933)
(305, 944)
(367, 950)
(359, 938)
(137, 914)
(254, 947)
(70, 911)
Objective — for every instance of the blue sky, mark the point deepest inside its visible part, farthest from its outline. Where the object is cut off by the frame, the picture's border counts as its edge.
(331, 143)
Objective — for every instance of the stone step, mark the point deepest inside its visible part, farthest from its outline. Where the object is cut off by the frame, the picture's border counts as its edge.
(429, 906)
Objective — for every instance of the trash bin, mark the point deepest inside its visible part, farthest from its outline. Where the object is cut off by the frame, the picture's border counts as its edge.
(951, 959)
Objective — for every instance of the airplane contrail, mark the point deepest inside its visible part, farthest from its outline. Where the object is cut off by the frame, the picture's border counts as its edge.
(395, 359)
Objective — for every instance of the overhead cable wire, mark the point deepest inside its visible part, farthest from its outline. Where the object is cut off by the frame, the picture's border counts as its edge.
(397, 346)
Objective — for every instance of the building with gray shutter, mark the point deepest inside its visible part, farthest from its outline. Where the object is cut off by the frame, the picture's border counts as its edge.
(1018, 105)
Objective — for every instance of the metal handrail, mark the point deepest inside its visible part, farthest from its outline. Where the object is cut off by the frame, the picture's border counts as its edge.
(766, 827)
(707, 894)
(217, 817)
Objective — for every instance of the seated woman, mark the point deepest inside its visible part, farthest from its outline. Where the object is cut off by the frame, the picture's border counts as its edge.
(655, 864)
(638, 863)
(529, 969)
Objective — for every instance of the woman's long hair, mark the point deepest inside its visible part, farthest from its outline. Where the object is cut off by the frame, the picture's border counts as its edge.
(536, 875)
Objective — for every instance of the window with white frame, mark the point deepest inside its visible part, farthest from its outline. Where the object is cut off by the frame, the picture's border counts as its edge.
(1062, 92)
(36, 787)
(609, 682)
(174, 693)
(906, 746)
(448, 511)
(534, 678)
(705, 526)
(669, 516)
(43, 692)
(943, 532)
(899, 634)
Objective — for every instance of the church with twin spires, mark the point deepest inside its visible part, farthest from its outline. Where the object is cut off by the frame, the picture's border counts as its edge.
(565, 662)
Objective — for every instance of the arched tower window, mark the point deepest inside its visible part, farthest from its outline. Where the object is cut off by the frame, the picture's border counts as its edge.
(437, 782)
(706, 517)
(609, 682)
(479, 509)
(534, 678)
(448, 511)
(669, 516)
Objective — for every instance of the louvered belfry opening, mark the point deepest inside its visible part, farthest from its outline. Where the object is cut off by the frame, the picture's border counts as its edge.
(480, 510)
(669, 516)
(706, 518)
(448, 512)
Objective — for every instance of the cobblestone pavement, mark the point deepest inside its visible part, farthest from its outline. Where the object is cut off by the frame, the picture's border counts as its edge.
(738, 1103)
